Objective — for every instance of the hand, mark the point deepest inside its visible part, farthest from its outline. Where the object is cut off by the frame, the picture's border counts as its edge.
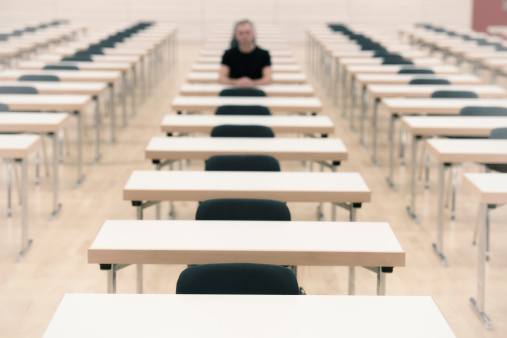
(244, 82)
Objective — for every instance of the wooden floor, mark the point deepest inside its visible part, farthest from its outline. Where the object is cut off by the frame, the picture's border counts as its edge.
(57, 263)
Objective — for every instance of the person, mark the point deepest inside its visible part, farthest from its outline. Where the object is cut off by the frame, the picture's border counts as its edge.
(245, 65)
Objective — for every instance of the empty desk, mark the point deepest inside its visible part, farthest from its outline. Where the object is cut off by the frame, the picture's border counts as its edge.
(213, 89)
(278, 78)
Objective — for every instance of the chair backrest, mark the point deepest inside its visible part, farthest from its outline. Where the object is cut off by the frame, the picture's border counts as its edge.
(396, 61)
(30, 29)
(4, 107)
(392, 57)
(242, 209)
(4, 37)
(415, 71)
(61, 67)
(454, 94)
(483, 111)
(227, 130)
(499, 134)
(80, 58)
(242, 110)
(242, 163)
(429, 82)
(242, 92)
(97, 50)
(237, 279)
(17, 90)
(36, 77)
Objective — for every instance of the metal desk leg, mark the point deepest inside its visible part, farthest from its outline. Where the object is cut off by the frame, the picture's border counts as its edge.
(139, 267)
(478, 304)
(25, 242)
(438, 247)
(390, 178)
(143, 80)
(374, 125)
(111, 279)
(381, 282)
(335, 82)
(56, 206)
(97, 130)
(364, 110)
(353, 103)
(352, 269)
(133, 91)
(112, 110)
(344, 92)
(80, 175)
(411, 207)
(124, 99)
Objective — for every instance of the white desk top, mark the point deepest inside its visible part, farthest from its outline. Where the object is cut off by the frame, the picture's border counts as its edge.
(468, 150)
(284, 104)
(18, 145)
(269, 242)
(220, 52)
(64, 75)
(419, 62)
(278, 123)
(335, 187)
(32, 122)
(394, 69)
(476, 126)
(406, 78)
(212, 77)
(204, 67)
(201, 89)
(487, 91)
(296, 149)
(267, 46)
(45, 102)
(83, 66)
(225, 316)
(437, 106)
(488, 188)
(218, 59)
(58, 87)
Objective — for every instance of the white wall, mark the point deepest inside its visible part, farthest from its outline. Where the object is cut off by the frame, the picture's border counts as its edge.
(197, 17)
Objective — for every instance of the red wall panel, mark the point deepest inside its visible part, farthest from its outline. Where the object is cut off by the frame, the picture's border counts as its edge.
(488, 13)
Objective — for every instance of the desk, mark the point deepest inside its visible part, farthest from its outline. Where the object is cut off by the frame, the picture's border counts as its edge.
(275, 104)
(121, 243)
(48, 123)
(204, 67)
(448, 152)
(274, 60)
(279, 124)
(225, 316)
(278, 78)
(68, 103)
(327, 151)
(491, 190)
(426, 106)
(213, 89)
(220, 52)
(110, 77)
(18, 148)
(147, 188)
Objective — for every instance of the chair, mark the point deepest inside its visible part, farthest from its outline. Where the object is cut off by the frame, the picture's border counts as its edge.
(395, 61)
(4, 37)
(242, 209)
(415, 71)
(227, 130)
(4, 107)
(498, 134)
(60, 67)
(17, 90)
(454, 94)
(36, 77)
(483, 111)
(237, 279)
(429, 82)
(242, 92)
(94, 49)
(382, 53)
(79, 58)
(242, 163)
(242, 110)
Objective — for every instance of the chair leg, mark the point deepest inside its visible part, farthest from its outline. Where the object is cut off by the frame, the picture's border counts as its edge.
(66, 141)
(37, 167)
(448, 190)
(18, 183)
(403, 145)
(487, 232)
(454, 172)
(9, 188)
(45, 156)
(427, 170)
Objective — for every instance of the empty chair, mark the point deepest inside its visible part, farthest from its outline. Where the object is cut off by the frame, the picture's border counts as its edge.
(80, 58)
(388, 56)
(30, 29)
(4, 107)
(60, 67)
(4, 37)
(17, 90)
(84, 54)
(454, 94)
(237, 279)
(415, 71)
(497, 134)
(242, 163)
(36, 77)
(242, 110)
(228, 130)
(396, 61)
(483, 111)
(382, 53)
(429, 82)
(94, 49)
(242, 209)
(242, 92)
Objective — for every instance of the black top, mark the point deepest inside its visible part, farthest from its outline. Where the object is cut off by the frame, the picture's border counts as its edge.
(249, 65)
